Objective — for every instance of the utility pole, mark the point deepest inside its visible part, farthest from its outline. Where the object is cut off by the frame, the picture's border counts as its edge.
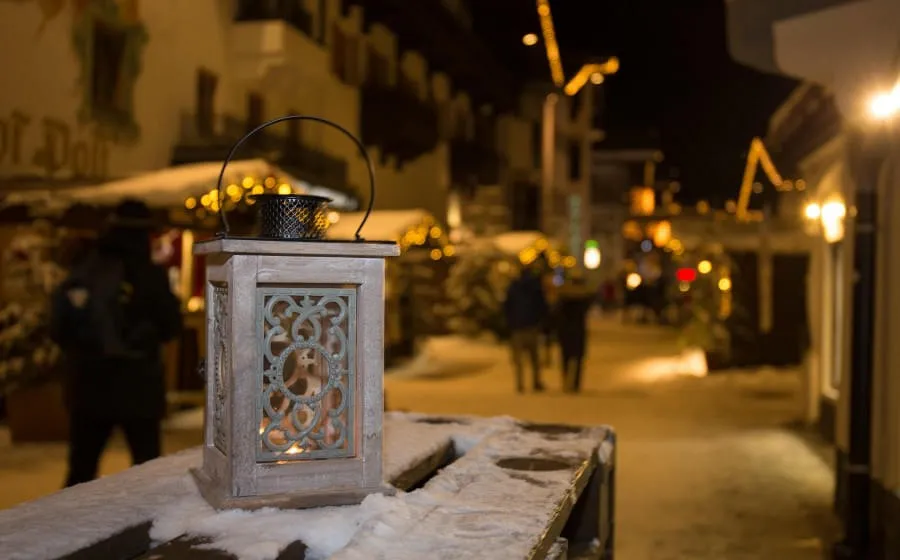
(548, 164)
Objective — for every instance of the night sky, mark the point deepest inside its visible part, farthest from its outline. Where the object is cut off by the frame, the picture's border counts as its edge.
(677, 86)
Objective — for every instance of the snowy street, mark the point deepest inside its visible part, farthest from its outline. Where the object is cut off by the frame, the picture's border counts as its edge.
(707, 468)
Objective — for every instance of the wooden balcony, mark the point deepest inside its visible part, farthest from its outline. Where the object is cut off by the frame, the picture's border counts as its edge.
(399, 123)
(427, 27)
(291, 12)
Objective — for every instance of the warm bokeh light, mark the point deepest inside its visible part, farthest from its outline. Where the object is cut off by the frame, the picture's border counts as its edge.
(704, 267)
(592, 258)
(633, 281)
(885, 105)
(597, 78)
(725, 284)
(529, 40)
(812, 211)
(833, 214)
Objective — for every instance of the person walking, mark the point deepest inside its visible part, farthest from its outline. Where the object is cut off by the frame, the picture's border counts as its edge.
(526, 313)
(111, 317)
(574, 304)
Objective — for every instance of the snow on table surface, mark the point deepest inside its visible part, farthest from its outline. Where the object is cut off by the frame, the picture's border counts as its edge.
(467, 506)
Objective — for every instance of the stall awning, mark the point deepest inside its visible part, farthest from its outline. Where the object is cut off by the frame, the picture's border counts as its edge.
(383, 225)
(165, 188)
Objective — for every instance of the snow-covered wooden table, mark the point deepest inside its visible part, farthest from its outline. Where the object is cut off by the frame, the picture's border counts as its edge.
(474, 488)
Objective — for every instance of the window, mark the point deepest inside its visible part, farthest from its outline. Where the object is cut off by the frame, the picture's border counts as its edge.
(322, 13)
(106, 71)
(344, 56)
(205, 103)
(339, 53)
(537, 142)
(409, 85)
(379, 69)
(255, 110)
(575, 161)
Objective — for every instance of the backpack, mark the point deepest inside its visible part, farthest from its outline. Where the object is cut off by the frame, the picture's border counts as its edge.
(97, 314)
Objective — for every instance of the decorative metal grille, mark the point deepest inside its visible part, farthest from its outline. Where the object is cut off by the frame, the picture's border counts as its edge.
(219, 363)
(307, 338)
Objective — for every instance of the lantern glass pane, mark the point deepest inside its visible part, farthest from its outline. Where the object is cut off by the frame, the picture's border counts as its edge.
(219, 363)
(307, 340)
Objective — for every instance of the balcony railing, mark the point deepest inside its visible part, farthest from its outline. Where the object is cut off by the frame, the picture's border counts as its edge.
(291, 12)
(398, 122)
(209, 139)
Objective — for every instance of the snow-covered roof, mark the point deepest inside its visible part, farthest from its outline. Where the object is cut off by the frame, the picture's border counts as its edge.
(514, 242)
(382, 225)
(163, 188)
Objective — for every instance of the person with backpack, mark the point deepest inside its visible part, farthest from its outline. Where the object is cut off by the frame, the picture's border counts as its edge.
(526, 310)
(111, 317)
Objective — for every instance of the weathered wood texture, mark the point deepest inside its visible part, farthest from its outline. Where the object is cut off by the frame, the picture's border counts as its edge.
(237, 478)
(538, 483)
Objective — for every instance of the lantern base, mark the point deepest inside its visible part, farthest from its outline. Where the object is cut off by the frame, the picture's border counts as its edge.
(220, 499)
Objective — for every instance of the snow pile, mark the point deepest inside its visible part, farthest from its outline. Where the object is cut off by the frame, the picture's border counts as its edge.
(382, 225)
(78, 517)
(263, 534)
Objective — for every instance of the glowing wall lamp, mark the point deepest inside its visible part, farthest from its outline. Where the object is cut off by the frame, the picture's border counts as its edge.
(592, 256)
(833, 214)
(827, 218)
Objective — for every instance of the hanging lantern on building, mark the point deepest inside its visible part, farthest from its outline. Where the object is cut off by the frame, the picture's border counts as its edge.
(294, 371)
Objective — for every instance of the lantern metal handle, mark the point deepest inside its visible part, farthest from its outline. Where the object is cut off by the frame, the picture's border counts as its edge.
(362, 150)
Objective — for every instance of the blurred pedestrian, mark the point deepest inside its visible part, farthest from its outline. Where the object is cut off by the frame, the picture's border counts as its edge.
(111, 317)
(548, 328)
(573, 306)
(526, 313)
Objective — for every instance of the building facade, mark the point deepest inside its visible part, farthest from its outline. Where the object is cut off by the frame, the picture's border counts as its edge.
(849, 50)
(114, 88)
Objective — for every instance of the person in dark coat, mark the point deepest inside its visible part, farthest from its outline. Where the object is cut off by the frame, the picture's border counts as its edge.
(574, 303)
(526, 313)
(111, 317)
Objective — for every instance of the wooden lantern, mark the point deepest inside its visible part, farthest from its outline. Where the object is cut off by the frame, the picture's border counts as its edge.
(295, 361)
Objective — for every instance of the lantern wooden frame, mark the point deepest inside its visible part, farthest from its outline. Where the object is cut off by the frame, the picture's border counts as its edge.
(238, 270)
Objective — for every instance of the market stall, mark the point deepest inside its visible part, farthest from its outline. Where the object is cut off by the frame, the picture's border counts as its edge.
(186, 205)
(416, 304)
